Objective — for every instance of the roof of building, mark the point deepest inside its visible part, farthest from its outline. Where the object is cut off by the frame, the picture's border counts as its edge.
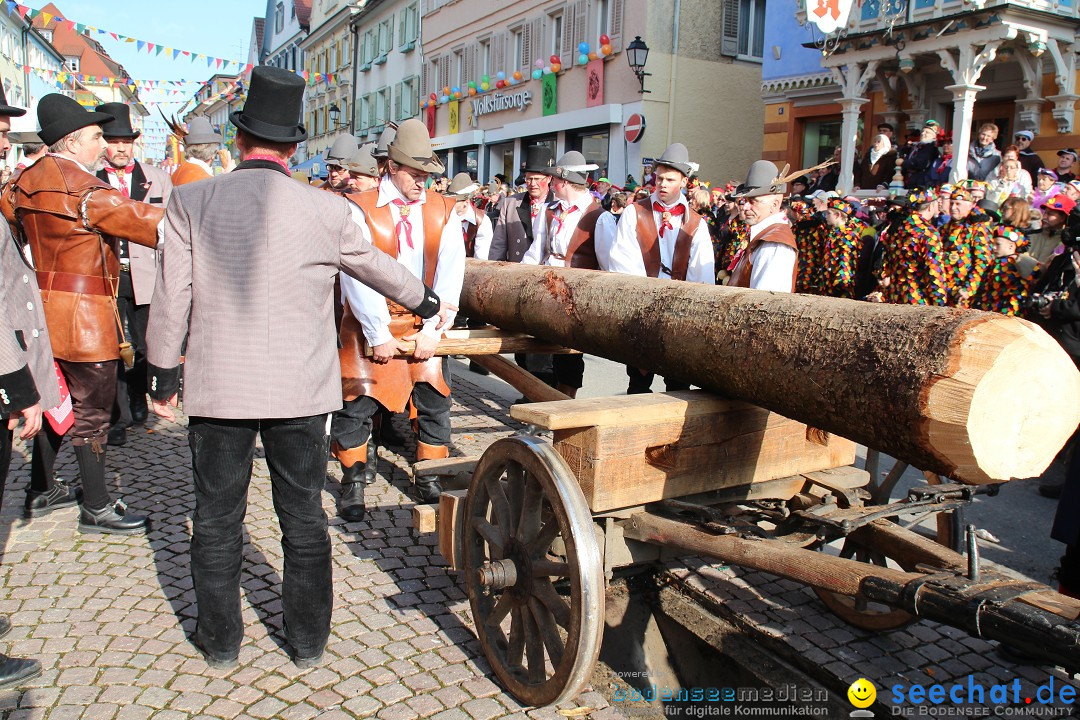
(93, 60)
(303, 12)
(260, 24)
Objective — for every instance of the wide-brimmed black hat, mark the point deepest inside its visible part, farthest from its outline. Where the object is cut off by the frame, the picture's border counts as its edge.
(538, 159)
(275, 101)
(121, 128)
(8, 110)
(59, 116)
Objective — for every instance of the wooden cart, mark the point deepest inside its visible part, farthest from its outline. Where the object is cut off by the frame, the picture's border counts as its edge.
(543, 525)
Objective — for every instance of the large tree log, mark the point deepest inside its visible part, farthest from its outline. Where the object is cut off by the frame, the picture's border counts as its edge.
(974, 396)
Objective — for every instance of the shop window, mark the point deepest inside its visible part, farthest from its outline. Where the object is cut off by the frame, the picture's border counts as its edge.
(820, 138)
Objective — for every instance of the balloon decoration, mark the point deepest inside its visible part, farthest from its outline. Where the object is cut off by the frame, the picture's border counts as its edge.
(555, 60)
(539, 64)
(583, 48)
(605, 40)
(582, 59)
(484, 86)
(606, 49)
(500, 75)
(556, 67)
(518, 76)
(472, 91)
(537, 74)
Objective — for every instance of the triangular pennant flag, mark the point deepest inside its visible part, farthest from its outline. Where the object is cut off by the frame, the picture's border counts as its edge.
(114, 36)
(112, 81)
(33, 12)
(139, 44)
(23, 10)
(160, 49)
(209, 62)
(149, 47)
(125, 38)
(47, 18)
(175, 53)
(218, 62)
(70, 24)
(80, 28)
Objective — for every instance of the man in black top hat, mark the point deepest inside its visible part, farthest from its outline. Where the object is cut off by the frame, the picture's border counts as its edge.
(138, 265)
(520, 217)
(264, 363)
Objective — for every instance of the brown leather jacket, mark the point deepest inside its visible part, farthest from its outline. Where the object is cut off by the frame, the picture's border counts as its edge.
(60, 209)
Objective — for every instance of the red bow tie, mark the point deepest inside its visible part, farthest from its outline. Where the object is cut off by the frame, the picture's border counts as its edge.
(666, 213)
(121, 174)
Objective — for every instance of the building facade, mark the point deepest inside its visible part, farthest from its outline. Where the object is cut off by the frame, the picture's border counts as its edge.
(960, 63)
(327, 52)
(703, 87)
(215, 100)
(388, 65)
(284, 28)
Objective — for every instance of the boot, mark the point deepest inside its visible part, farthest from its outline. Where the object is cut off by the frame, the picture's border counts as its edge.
(428, 486)
(117, 435)
(15, 671)
(43, 503)
(112, 518)
(358, 468)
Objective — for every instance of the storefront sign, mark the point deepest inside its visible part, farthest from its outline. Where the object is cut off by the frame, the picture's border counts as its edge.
(549, 87)
(455, 126)
(829, 15)
(594, 83)
(496, 102)
(647, 161)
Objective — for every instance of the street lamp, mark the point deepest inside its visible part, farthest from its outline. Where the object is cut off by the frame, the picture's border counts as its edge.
(637, 52)
(335, 113)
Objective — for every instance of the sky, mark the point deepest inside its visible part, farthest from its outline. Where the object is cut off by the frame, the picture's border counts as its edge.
(218, 28)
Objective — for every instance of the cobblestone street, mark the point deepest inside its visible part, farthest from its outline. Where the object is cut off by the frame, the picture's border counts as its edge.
(109, 617)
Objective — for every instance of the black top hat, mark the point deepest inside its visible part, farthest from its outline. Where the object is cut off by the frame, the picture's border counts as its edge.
(58, 115)
(121, 128)
(8, 110)
(274, 104)
(537, 159)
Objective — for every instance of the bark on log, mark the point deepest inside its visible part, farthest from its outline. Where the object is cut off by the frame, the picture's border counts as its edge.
(974, 396)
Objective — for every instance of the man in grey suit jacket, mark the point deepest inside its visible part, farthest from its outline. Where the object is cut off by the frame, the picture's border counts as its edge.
(256, 304)
(28, 384)
(138, 264)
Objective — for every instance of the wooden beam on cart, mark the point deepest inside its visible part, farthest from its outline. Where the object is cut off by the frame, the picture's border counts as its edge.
(486, 341)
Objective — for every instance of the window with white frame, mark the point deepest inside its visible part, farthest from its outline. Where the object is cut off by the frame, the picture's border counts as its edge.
(484, 55)
(751, 28)
(409, 103)
(382, 106)
(555, 23)
(71, 63)
(457, 72)
(279, 18)
(408, 26)
(517, 44)
(367, 49)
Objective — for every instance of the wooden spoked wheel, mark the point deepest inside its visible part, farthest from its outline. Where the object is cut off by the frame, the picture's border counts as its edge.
(538, 604)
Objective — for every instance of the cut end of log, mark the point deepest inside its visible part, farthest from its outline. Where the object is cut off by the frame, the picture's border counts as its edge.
(1011, 405)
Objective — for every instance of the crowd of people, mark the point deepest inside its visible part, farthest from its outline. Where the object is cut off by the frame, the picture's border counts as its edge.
(114, 274)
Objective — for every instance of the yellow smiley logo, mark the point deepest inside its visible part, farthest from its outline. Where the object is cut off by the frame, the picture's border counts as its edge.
(862, 693)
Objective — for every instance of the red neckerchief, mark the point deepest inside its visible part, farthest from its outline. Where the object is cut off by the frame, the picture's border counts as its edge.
(666, 213)
(403, 223)
(534, 207)
(560, 218)
(121, 174)
(269, 158)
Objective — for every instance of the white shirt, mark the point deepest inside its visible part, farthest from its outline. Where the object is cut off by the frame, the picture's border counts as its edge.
(368, 306)
(554, 239)
(484, 232)
(604, 237)
(626, 257)
(772, 264)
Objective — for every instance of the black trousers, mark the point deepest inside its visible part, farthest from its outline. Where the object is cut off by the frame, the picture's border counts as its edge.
(222, 453)
(352, 424)
(569, 369)
(131, 384)
(642, 382)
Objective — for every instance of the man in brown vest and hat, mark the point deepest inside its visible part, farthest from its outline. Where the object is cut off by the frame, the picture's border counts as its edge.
(337, 159)
(255, 306)
(72, 221)
(138, 264)
(419, 229)
(770, 260)
(201, 145)
(566, 240)
(363, 169)
(662, 237)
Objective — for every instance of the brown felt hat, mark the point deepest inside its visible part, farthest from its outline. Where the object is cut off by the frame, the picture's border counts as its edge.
(411, 147)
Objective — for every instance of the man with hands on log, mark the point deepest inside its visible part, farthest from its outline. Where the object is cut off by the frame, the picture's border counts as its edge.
(662, 237)
(72, 221)
(422, 231)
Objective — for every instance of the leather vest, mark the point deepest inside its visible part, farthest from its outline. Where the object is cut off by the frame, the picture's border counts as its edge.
(391, 384)
(648, 237)
(581, 250)
(779, 233)
(71, 220)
